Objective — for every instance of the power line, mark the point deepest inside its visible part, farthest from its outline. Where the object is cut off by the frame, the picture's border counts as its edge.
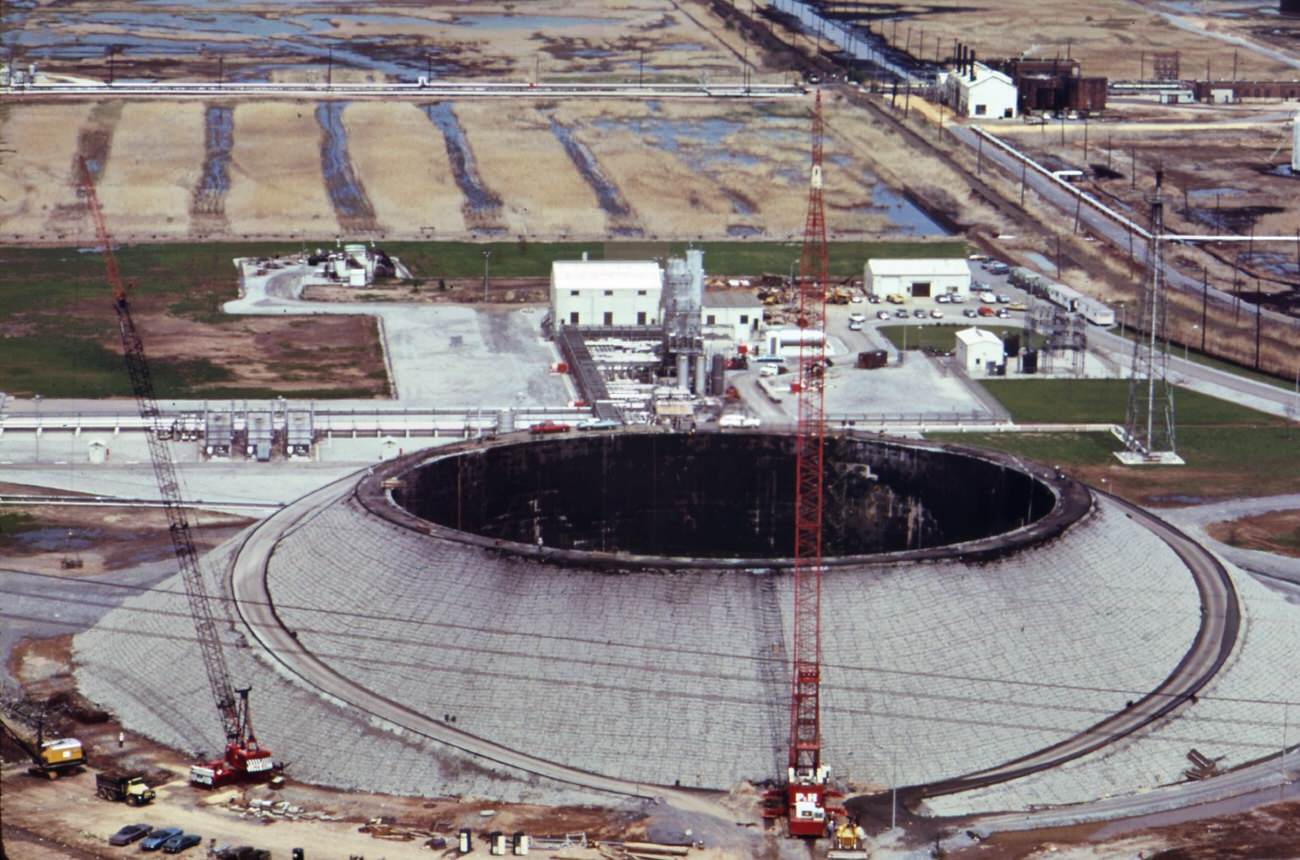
(694, 654)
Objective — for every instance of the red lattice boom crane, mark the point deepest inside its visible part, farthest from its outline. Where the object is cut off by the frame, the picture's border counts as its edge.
(244, 758)
(802, 800)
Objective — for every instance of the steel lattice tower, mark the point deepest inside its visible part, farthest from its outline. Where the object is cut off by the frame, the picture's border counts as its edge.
(1149, 418)
(805, 715)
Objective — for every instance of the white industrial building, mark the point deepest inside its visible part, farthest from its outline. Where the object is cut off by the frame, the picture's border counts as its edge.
(606, 292)
(981, 92)
(920, 278)
(977, 348)
(735, 314)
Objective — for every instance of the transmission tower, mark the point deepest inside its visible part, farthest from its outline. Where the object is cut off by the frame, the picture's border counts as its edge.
(1148, 435)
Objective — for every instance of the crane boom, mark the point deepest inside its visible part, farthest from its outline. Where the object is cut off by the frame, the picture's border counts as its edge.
(241, 743)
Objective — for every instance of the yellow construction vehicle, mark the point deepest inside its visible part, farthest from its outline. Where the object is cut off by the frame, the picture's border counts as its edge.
(52, 758)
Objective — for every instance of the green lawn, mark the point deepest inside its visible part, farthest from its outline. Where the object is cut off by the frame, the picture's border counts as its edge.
(1105, 400)
(1229, 450)
(59, 335)
(941, 337)
(533, 259)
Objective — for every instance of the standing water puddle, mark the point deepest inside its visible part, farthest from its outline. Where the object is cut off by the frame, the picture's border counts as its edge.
(214, 181)
(346, 193)
(482, 204)
(611, 199)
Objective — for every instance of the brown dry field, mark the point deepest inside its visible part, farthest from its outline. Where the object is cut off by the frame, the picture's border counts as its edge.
(751, 176)
(1109, 37)
(1276, 532)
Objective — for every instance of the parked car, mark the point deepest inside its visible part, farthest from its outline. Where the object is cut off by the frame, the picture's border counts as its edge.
(548, 427)
(1004, 313)
(1017, 306)
(985, 311)
(598, 424)
(936, 314)
(769, 370)
(942, 298)
(857, 317)
(956, 298)
(181, 842)
(981, 286)
(157, 838)
(919, 313)
(901, 314)
(857, 300)
(854, 325)
(882, 315)
(1004, 299)
(988, 298)
(735, 420)
(997, 267)
(970, 312)
(873, 298)
(130, 833)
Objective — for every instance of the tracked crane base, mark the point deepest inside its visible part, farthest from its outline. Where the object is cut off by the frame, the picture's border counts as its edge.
(976, 611)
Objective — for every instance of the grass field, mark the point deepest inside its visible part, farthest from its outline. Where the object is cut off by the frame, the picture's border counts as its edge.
(1104, 400)
(59, 335)
(533, 259)
(58, 331)
(942, 337)
(1229, 450)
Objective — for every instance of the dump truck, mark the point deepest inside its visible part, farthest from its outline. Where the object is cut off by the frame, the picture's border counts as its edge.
(50, 759)
(119, 787)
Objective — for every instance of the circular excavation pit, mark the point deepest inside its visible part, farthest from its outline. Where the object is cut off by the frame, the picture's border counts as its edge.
(712, 497)
(975, 609)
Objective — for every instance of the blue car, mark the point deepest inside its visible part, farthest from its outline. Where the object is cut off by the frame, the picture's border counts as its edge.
(180, 842)
(155, 840)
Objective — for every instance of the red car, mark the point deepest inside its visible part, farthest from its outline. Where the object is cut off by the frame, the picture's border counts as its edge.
(548, 427)
(986, 311)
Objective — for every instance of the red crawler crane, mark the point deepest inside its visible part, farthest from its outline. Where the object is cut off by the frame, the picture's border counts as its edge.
(244, 757)
(803, 798)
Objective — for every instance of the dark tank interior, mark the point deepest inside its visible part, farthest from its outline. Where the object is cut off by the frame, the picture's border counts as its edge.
(715, 495)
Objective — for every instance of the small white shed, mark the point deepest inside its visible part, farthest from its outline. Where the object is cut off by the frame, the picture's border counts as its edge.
(977, 348)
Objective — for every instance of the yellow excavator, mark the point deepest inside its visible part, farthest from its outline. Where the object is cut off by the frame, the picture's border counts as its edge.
(50, 758)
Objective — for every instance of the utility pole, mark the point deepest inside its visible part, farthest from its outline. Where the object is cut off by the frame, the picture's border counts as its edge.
(487, 256)
(1024, 167)
(1205, 303)
(329, 69)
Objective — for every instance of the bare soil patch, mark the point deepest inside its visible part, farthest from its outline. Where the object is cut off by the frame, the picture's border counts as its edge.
(1276, 532)
(102, 539)
(510, 291)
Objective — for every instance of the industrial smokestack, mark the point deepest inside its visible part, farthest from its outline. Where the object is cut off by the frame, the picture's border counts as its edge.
(972, 66)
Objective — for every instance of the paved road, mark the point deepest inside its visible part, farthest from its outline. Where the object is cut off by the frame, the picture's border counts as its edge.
(255, 608)
(1102, 226)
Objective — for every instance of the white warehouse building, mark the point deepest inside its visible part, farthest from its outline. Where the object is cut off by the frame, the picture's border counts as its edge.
(977, 348)
(920, 278)
(605, 292)
(981, 92)
(735, 314)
